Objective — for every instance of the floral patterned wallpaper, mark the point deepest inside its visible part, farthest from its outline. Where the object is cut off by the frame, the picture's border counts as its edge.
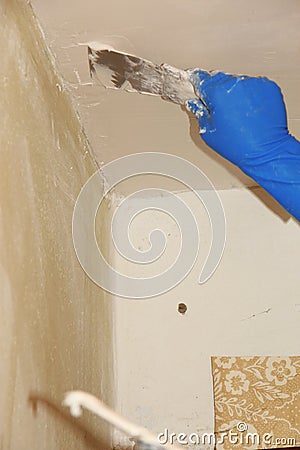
(257, 402)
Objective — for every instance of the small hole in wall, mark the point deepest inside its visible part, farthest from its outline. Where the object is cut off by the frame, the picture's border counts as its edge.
(182, 308)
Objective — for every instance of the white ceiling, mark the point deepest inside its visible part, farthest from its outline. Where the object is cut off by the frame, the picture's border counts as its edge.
(250, 37)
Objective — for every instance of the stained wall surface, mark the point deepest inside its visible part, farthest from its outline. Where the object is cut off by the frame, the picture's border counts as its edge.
(55, 324)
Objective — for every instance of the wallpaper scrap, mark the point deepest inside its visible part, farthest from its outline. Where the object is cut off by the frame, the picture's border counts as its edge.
(256, 402)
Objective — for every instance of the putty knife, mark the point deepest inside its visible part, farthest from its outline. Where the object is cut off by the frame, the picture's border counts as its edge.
(118, 70)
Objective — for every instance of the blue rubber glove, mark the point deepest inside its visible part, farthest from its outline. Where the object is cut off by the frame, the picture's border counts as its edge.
(244, 120)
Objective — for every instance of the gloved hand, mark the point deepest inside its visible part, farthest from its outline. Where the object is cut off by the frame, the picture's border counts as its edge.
(244, 120)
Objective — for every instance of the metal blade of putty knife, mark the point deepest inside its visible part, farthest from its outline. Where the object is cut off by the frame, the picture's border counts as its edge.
(118, 70)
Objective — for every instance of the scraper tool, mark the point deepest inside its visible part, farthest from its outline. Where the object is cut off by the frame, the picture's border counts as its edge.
(118, 70)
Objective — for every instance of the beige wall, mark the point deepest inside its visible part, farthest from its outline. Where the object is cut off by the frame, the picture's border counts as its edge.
(55, 324)
(250, 306)
(162, 365)
(252, 37)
